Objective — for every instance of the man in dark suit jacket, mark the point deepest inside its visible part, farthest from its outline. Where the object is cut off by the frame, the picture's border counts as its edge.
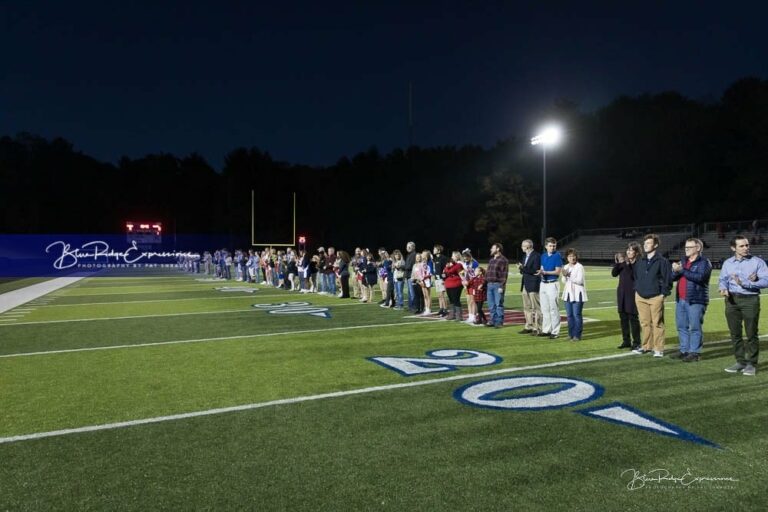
(529, 288)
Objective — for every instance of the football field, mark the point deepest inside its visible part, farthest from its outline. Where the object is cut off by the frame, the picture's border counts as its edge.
(176, 392)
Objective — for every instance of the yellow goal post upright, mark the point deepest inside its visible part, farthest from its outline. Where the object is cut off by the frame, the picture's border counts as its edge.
(254, 243)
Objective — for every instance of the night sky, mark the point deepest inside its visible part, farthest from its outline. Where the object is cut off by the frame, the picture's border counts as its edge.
(310, 82)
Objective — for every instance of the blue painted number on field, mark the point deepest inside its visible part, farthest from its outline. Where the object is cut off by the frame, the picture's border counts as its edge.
(294, 308)
(568, 392)
(444, 360)
(494, 393)
(530, 392)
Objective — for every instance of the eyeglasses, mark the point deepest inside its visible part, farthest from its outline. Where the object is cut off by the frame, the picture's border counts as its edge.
(691, 247)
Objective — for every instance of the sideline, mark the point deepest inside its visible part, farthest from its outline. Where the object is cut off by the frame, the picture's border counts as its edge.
(296, 400)
(15, 298)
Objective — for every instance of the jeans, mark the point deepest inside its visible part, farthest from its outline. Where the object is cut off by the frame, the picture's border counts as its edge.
(496, 303)
(575, 320)
(412, 289)
(399, 293)
(330, 283)
(689, 318)
(320, 282)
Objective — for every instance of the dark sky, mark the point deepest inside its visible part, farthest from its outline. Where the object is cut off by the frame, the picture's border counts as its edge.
(313, 81)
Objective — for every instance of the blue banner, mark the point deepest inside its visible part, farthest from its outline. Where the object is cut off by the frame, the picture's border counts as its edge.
(69, 254)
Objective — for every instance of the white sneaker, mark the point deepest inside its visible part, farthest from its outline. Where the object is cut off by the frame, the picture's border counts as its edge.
(426, 312)
(657, 353)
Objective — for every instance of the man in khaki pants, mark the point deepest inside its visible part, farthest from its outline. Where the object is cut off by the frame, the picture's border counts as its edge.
(529, 288)
(653, 282)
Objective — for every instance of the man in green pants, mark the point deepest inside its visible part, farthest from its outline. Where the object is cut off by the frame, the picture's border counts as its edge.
(741, 279)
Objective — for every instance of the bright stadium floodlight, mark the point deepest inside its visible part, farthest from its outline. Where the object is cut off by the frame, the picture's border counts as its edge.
(548, 137)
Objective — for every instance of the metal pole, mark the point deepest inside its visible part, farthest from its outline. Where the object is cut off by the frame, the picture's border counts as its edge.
(544, 213)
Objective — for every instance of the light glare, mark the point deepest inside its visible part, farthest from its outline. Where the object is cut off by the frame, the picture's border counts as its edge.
(549, 137)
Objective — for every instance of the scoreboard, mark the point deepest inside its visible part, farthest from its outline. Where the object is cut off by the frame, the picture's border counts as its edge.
(144, 233)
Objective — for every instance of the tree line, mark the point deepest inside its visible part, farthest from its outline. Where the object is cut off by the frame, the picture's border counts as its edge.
(651, 159)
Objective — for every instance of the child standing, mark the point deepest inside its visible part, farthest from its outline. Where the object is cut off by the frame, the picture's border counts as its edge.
(480, 295)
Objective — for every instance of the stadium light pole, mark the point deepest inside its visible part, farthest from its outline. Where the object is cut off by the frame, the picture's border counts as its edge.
(548, 137)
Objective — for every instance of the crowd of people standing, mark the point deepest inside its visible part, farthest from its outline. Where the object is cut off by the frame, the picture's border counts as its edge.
(410, 281)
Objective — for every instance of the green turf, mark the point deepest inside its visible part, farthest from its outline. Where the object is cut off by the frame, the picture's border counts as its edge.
(413, 448)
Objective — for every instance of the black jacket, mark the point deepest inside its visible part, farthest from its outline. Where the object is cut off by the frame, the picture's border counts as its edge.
(653, 277)
(531, 282)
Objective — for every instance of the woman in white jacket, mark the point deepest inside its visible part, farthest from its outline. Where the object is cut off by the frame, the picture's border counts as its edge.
(574, 294)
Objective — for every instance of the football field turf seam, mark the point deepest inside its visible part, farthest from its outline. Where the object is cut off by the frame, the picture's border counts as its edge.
(295, 400)
(202, 340)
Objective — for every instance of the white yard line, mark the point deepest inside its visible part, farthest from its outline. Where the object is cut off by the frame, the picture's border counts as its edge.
(202, 340)
(15, 298)
(231, 295)
(296, 400)
(249, 310)
(159, 289)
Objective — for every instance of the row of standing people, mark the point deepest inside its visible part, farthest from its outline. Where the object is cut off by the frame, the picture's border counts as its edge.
(416, 275)
(646, 278)
(542, 276)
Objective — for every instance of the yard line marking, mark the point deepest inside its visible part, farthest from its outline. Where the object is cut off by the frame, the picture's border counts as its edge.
(229, 297)
(299, 399)
(193, 288)
(249, 310)
(667, 304)
(16, 298)
(202, 340)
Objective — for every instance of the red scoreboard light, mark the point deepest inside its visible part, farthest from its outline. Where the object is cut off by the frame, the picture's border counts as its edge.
(144, 232)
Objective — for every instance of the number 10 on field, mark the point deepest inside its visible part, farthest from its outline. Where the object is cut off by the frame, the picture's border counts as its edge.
(529, 392)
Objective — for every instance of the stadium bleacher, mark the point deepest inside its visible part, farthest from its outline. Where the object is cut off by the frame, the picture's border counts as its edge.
(600, 245)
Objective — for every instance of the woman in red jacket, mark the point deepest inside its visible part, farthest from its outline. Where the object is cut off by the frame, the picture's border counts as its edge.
(453, 286)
